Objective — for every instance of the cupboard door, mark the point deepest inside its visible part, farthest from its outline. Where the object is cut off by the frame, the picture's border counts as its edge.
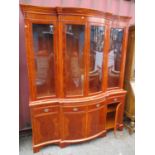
(119, 114)
(74, 59)
(114, 57)
(44, 57)
(96, 58)
(96, 120)
(46, 127)
(74, 124)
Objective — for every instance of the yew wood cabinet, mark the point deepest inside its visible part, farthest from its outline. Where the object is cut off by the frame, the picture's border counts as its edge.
(75, 60)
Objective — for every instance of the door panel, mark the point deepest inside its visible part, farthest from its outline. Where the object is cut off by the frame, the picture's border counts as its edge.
(74, 124)
(96, 120)
(73, 71)
(96, 58)
(44, 57)
(114, 57)
(46, 127)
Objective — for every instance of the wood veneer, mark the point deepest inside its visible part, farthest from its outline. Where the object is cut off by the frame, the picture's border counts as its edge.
(60, 118)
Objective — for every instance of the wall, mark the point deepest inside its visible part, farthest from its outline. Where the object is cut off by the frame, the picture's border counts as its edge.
(119, 7)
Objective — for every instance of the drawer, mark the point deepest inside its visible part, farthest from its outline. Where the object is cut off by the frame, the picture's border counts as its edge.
(75, 109)
(46, 109)
(97, 20)
(74, 18)
(115, 99)
(96, 106)
(34, 16)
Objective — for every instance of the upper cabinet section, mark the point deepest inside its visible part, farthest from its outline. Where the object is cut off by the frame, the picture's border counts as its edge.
(73, 52)
(43, 51)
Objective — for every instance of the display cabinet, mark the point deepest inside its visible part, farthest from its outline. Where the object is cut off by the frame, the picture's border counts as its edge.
(75, 61)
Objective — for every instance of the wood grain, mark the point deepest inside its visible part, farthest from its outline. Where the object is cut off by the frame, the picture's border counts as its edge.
(62, 119)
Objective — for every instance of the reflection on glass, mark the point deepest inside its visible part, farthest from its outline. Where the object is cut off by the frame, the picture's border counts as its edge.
(44, 59)
(96, 58)
(114, 62)
(74, 66)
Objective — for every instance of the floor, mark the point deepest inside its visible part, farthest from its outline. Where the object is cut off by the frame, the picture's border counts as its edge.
(121, 144)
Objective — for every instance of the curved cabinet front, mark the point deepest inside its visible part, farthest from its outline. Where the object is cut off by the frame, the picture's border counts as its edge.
(66, 123)
(76, 59)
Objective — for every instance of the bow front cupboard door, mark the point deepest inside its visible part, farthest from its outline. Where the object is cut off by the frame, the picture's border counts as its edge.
(74, 123)
(46, 124)
(96, 119)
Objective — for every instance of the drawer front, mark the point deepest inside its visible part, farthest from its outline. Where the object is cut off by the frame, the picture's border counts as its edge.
(74, 18)
(75, 109)
(115, 99)
(96, 106)
(44, 110)
(34, 16)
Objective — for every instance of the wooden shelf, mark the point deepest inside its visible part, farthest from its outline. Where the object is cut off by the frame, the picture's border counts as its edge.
(110, 120)
(111, 108)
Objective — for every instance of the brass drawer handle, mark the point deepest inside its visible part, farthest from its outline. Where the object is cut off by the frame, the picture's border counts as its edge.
(97, 105)
(82, 17)
(75, 109)
(115, 99)
(46, 110)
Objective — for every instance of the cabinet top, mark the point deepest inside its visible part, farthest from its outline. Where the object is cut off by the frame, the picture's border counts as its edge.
(70, 11)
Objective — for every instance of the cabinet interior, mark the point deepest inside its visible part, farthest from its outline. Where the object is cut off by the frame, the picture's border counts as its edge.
(111, 112)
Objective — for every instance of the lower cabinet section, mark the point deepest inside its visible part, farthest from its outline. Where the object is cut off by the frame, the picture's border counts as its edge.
(75, 122)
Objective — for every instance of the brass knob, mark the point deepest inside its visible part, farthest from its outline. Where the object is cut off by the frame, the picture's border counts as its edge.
(46, 110)
(25, 26)
(97, 105)
(75, 109)
(115, 99)
(82, 17)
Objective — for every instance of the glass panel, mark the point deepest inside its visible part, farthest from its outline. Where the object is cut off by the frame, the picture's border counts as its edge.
(96, 58)
(114, 62)
(44, 59)
(74, 54)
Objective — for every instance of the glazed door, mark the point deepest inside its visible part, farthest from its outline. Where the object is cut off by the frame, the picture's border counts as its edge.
(73, 56)
(44, 59)
(96, 57)
(74, 123)
(96, 119)
(115, 57)
(46, 124)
